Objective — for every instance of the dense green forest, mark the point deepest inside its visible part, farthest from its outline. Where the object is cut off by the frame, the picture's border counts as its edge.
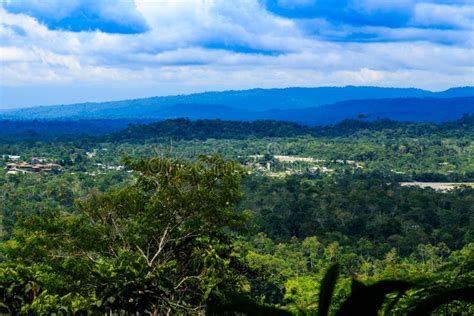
(12, 131)
(265, 217)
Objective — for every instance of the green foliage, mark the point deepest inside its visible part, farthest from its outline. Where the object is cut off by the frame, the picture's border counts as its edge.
(17, 288)
(161, 244)
(301, 294)
(177, 235)
(366, 214)
(180, 129)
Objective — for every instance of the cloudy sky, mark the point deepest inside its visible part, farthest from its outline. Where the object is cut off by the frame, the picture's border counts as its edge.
(56, 51)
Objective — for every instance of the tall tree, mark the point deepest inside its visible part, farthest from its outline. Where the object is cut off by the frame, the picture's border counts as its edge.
(161, 245)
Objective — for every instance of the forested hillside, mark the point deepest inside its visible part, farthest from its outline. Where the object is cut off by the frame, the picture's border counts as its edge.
(206, 129)
(12, 130)
(103, 233)
(143, 130)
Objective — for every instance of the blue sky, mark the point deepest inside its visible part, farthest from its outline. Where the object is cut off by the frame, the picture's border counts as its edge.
(56, 51)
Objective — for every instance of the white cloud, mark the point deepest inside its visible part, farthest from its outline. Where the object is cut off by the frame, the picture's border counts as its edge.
(215, 45)
(430, 14)
(55, 9)
(14, 54)
(119, 16)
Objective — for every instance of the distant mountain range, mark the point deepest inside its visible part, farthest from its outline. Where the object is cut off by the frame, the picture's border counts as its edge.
(402, 109)
(318, 106)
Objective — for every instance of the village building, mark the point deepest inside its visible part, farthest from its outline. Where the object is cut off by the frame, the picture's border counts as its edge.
(36, 161)
(36, 165)
(11, 157)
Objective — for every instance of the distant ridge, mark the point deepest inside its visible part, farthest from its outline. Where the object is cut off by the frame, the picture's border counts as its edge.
(221, 129)
(436, 110)
(324, 105)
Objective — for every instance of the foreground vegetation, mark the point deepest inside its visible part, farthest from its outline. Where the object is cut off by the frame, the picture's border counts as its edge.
(173, 233)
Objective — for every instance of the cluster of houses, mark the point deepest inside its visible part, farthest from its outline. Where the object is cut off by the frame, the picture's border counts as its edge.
(35, 165)
(292, 164)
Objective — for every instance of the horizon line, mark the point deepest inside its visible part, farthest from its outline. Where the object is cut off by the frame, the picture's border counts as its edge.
(8, 109)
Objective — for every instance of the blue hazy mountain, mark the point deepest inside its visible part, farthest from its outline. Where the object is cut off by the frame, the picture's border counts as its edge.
(307, 105)
(435, 110)
(398, 109)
